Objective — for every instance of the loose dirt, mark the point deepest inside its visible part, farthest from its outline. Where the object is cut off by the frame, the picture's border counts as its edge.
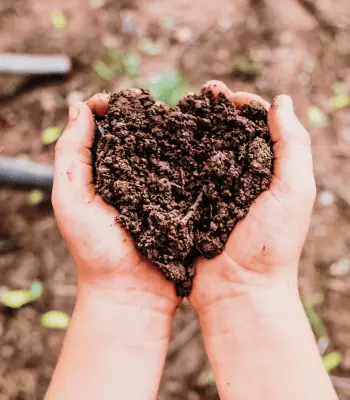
(181, 178)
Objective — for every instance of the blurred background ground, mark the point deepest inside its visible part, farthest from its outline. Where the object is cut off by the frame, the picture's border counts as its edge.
(299, 47)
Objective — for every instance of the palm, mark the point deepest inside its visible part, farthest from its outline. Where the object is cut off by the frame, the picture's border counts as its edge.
(270, 238)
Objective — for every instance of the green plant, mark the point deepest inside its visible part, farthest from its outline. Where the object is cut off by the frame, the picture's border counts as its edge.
(51, 134)
(246, 69)
(332, 360)
(310, 304)
(168, 87)
(115, 62)
(317, 117)
(55, 319)
(18, 298)
(58, 20)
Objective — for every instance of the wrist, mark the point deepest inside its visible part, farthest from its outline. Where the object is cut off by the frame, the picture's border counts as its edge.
(116, 316)
(253, 309)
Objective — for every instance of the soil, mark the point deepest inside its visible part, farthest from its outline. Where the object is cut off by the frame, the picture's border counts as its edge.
(183, 177)
(297, 54)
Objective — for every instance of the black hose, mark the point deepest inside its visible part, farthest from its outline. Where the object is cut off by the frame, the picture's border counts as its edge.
(23, 174)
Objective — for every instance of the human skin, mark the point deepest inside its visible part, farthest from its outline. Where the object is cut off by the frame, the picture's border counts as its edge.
(256, 334)
(255, 331)
(116, 344)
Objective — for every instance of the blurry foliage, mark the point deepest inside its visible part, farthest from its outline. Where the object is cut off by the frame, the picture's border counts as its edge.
(332, 360)
(55, 319)
(35, 197)
(51, 134)
(341, 101)
(310, 304)
(245, 69)
(18, 298)
(317, 117)
(58, 20)
(168, 87)
(151, 47)
(115, 62)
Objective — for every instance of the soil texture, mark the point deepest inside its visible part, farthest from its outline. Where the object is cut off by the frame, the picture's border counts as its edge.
(181, 178)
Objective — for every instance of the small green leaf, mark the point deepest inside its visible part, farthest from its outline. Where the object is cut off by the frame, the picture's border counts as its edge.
(36, 289)
(58, 20)
(168, 87)
(16, 298)
(315, 320)
(317, 117)
(103, 70)
(246, 69)
(341, 101)
(51, 134)
(35, 197)
(55, 319)
(150, 47)
(332, 360)
(315, 300)
(131, 64)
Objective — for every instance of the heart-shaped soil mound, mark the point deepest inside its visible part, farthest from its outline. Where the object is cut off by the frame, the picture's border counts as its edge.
(181, 178)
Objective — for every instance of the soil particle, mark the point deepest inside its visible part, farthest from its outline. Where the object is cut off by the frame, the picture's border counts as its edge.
(181, 178)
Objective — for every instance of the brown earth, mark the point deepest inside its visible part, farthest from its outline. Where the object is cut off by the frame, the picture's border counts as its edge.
(181, 178)
(300, 51)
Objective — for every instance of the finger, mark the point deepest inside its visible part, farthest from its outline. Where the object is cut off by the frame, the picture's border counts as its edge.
(73, 174)
(239, 99)
(99, 104)
(216, 87)
(242, 98)
(292, 152)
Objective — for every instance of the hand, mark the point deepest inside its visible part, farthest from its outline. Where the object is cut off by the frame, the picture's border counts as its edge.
(106, 258)
(263, 250)
(254, 327)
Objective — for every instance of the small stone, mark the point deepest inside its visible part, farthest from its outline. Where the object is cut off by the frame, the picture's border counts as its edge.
(340, 268)
(326, 198)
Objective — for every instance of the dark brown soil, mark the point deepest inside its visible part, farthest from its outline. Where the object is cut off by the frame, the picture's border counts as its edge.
(181, 178)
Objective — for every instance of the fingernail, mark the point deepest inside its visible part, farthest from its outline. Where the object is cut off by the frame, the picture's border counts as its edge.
(74, 111)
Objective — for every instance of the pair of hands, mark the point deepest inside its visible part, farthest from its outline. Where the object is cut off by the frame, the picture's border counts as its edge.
(260, 258)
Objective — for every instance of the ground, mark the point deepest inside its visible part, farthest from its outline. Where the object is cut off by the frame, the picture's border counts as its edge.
(301, 47)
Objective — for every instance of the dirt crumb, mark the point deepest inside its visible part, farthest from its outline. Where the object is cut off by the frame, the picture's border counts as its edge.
(181, 178)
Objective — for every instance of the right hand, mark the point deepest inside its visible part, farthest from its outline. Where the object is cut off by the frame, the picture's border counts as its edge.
(262, 253)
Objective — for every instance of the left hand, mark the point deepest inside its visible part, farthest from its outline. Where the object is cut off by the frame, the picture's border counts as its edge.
(107, 261)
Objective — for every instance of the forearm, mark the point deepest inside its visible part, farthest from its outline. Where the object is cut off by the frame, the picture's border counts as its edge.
(262, 347)
(111, 352)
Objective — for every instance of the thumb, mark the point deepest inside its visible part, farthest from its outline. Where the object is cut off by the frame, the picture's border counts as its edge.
(73, 173)
(293, 167)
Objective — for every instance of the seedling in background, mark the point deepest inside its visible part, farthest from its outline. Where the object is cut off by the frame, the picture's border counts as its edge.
(341, 101)
(332, 360)
(245, 69)
(51, 135)
(58, 20)
(115, 62)
(310, 305)
(317, 117)
(35, 197)
(168, 87)
(18, 298)
(55, 319)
